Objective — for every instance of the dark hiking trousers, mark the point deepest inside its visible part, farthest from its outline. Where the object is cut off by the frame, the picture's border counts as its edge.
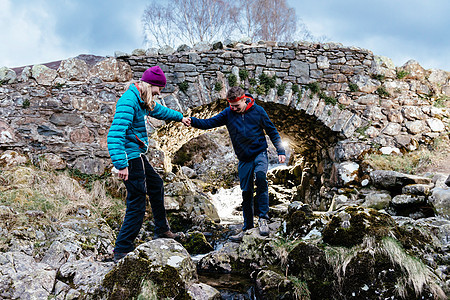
(142, 181)
(250, 174)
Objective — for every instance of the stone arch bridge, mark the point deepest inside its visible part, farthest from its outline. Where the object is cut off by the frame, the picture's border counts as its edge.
(332, 103)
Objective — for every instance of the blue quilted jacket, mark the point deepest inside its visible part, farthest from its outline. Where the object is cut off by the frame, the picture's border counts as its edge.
(127, 137)
(247, 131)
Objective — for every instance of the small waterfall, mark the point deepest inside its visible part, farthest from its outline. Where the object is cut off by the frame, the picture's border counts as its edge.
(226, 201)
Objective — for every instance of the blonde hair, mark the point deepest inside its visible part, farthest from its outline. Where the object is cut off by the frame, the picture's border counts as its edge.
(145, 91)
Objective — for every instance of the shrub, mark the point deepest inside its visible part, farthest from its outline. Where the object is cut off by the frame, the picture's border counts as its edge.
(26, 103)
(314, 87)
(232, 80)
(381, 91)
(261, 90)
(353, 87)
(441, 102)
(327, 99)
(252, 81)
(267, 82)
(281, 88)
(379, 77)
(402, 74)
(243, 74)
(295, 88)
(183, 86)
(218, 86)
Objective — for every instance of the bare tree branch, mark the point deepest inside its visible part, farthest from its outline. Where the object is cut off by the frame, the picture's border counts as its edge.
(194, 21)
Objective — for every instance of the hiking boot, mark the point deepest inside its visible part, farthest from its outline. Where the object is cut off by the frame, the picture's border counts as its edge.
(118, 256)
(263, 227)
(166, 235)
(237, 238)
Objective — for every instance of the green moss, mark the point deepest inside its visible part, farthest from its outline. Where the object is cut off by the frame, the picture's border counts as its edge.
(197, 244)
(362, 223)
(295, 88)
(125, 281)
(308, 263)
(297, 223)
(261, 90)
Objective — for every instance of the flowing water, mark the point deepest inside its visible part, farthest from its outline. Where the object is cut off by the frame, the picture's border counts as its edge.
(226, 201)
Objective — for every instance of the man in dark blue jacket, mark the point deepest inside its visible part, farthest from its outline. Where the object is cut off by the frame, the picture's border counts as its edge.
(247, 124)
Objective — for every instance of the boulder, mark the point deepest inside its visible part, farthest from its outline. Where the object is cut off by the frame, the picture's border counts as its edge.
(11, 158)
(393, 181)
(73, 69)
(377, 200)
(440, 199)
(161, 265)
(23, 278)
(7, 75)
(272, 285)
(110, 69)
(202, 291)
(43, 74)
(85, 275)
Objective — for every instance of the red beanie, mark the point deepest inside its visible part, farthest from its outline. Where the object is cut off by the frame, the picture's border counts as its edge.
(154, 76)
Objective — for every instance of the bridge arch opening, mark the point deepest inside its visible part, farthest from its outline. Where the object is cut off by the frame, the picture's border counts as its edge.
(310, 146)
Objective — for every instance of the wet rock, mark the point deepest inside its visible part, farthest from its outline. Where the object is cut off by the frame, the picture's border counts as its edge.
(196, 243)
(347, 173)
(272, 285)
(201, 291)
(220, 261)
(406, 200)
(190, 173)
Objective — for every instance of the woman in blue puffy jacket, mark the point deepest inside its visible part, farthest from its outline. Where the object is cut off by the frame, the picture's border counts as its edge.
(127, 144)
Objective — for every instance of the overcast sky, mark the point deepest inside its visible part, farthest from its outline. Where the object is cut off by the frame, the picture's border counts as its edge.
(40, 31)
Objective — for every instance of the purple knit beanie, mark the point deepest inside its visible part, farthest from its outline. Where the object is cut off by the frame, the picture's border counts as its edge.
(154, 76)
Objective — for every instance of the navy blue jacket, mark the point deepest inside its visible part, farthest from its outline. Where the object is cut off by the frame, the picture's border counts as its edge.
(246, 130)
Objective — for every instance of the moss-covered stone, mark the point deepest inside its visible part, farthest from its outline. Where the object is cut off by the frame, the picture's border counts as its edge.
(298, 223)
(309, 264)
(196, 243)
(362, 222)
(125, 281)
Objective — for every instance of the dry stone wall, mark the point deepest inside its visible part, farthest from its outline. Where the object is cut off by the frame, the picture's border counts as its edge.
(325, 98)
